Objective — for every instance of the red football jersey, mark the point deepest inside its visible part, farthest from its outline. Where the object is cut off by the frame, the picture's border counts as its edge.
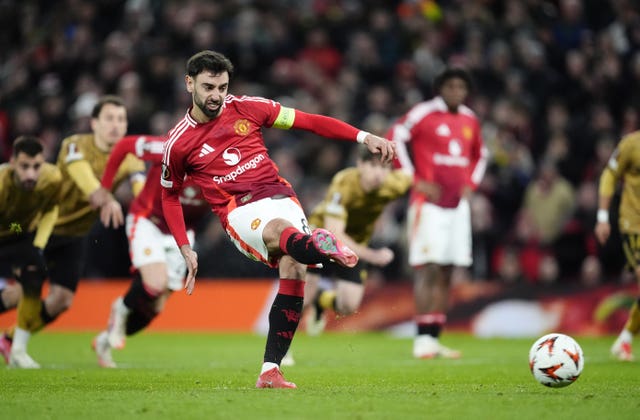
(443, 147)
(148, 202)
(226, 156)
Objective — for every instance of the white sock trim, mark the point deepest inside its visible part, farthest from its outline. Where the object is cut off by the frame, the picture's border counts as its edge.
(20, 339)
(268, 366)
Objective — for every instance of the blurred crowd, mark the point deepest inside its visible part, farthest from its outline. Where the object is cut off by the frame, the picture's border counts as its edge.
(556, 84)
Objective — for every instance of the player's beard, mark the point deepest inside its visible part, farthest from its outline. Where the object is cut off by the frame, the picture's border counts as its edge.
(28, 184)
(206, 110)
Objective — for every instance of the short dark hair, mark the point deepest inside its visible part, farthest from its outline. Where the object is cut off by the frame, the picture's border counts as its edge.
(364, 154)
(29, 145)
(104, 100)
(452, 73)
(212, 61)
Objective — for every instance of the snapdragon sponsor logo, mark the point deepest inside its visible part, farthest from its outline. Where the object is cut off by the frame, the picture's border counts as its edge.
(448, 160)
(239, 170)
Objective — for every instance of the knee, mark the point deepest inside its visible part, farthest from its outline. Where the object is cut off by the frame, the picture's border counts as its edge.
(291, 269)
(59, 302)
(348, 304)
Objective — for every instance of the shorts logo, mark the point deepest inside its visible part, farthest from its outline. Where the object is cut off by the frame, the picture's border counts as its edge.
(147, 251)
(241, 127)
(231, 156)
(255, 224)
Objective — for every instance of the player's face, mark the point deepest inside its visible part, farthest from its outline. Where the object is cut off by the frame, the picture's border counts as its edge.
(110, 125)
(27, 170)
(208, 91)
(454, 92)
(372, 174)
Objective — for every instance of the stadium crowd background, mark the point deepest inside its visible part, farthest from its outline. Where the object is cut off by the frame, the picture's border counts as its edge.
(556, 86)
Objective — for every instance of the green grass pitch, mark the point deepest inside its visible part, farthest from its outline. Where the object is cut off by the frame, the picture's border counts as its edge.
(339, 376)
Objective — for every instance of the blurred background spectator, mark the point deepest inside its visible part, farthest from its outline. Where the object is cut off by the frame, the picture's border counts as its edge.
(556, 85)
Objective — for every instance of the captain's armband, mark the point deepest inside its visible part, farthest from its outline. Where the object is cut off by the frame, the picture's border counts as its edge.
(285, 118)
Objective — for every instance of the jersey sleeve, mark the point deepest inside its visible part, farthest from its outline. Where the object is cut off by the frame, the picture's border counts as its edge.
(173, 174)
(616, 166)
(119, 152)
(147, 148)
(479, 158)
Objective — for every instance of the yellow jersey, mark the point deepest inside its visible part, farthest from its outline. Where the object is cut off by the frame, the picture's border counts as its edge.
(346, 200)
(624, 164)
(22, 210)
(76, 215)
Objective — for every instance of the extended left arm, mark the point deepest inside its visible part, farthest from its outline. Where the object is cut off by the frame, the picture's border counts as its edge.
(334, 128)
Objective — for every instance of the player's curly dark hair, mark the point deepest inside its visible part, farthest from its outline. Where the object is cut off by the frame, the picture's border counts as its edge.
(212, 61)
(452, 73)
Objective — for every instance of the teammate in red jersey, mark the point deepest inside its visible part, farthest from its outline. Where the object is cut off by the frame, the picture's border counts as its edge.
(159, 266)
(220, 145)
(439, 142)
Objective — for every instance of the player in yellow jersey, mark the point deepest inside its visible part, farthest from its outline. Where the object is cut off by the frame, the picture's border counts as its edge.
(623, 165)
(354, 201)
(30, 192)
(82, 160)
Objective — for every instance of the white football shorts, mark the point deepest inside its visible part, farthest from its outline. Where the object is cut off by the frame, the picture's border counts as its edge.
(439, 235)
(246, 224)
(148, 244)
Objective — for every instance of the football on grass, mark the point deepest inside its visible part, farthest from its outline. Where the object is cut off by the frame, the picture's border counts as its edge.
(556, 360)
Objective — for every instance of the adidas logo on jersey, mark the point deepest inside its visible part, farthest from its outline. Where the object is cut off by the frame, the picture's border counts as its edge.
(206, 149)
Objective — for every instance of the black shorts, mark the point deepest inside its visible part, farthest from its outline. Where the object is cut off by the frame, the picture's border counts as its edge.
(65, 256)
(631, 248)
(15, 252)
(334, 271)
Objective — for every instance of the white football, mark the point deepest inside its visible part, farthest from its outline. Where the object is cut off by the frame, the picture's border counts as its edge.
(556, 360)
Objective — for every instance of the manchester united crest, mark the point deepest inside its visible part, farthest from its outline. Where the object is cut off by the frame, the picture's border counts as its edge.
(467, 132)
(241, 127)
(255, 224)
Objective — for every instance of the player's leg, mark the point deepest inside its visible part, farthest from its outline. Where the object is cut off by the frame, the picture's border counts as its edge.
(622, 346)
(342, 295)
(313, 290)
(30, 273)
(430, 233)
(9, 296)
(310, 290)
(348, 297)
(431, 295)
(133, 312)
(65, 258)
(256, 229)
(294, 239)
(156, 259)
(284, 318)
(13, 251)
(9, 299)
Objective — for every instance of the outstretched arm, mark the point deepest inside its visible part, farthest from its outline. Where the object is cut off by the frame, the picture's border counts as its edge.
(334, 128)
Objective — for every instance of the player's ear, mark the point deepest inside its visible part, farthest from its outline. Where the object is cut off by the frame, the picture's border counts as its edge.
(189, 82)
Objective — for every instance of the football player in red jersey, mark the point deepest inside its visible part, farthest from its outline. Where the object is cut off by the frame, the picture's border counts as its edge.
(158, 265)
(439, 142)
(219, 144)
